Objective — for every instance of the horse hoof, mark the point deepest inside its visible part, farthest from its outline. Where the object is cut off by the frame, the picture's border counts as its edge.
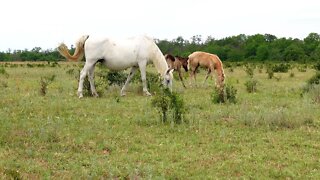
(147, 94)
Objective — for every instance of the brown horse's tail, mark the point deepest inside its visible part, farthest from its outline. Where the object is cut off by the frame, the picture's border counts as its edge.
(79, 52)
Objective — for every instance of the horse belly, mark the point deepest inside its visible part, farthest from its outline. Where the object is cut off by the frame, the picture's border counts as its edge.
(117, 64)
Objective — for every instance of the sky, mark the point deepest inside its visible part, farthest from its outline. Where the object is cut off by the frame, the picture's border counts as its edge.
(26, 24)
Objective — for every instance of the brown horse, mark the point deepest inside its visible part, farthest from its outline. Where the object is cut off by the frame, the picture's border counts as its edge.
(176, 63)
(209, 61)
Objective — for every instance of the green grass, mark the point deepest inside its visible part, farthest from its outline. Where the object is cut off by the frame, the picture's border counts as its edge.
(272, 133)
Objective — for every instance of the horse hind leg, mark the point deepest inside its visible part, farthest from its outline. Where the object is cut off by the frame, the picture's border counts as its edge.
(132, 72)
(91, 80)
(87, 70)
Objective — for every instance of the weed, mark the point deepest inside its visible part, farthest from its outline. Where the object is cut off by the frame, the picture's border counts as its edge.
(4, 72)
(44, 82)
(249, 70)
(283, 67)
(227, 95)
(251, 85)
(166, 100)
(292, 74)
(317, 66)
(270, 72)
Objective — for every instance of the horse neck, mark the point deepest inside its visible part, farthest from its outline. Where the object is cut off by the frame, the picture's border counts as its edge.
(159, 61)
(219, 71)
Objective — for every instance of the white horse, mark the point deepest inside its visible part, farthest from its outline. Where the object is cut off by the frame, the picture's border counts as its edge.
(117, 55)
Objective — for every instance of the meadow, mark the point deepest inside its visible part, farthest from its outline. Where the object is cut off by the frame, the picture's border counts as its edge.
(271, 133)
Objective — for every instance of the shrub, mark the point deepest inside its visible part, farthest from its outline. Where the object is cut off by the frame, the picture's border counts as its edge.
(249, 70)
(292, 74)
(314, 79)
(116, 78)
(270, 73)
(251, 85)
(44, 82)
(227, 95)
(302, 68)
(317, 66)
(4, 72)
(314, 92)
(283, 67)
(166, 101)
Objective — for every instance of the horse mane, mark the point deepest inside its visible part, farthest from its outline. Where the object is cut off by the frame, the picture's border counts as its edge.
(79, 52)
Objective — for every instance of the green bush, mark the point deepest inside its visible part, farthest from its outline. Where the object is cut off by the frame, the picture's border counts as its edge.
(283, 67)
(251, 85)
(249, 70)
(227, 95)
(166, 101)
(317, 66)
(44, 82)
(270, 72)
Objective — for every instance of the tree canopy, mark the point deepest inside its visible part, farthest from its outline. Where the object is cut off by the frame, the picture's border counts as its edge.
(258, 47)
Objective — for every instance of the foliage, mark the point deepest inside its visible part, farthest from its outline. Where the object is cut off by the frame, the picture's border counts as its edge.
(317, 66)
(44, 82)
(227, 95)
(249, 70)
(251, 85)
(258, 47)
(116, 78)
(165, 101)
(283, 67)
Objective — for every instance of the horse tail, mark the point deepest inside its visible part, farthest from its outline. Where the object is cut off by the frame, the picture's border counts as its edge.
(79, 52)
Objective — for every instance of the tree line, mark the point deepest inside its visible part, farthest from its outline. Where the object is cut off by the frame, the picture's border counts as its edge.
(258, 47)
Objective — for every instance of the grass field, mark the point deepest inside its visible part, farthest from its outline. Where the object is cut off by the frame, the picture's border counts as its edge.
(272, 133)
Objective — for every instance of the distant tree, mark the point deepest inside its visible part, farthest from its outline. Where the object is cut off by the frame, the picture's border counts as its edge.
(311, 42)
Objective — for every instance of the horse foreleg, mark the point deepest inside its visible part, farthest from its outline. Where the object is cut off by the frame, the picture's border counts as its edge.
(132, 72)
(180, 76)
(142, 67)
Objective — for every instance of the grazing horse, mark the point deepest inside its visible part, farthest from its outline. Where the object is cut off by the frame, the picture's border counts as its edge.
(209, 61)
(118, 54)
(176, 63)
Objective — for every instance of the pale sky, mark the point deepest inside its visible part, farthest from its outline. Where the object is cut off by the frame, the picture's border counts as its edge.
(46, 23)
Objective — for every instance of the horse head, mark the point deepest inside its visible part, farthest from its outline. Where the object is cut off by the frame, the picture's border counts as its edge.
(184, 62)
(168, 78)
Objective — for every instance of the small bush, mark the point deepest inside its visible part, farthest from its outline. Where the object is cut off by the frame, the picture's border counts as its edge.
(44, 82)
(3, 72)
(116, 78)
(249, 70)
(314, 92)
(292, 74)
(166, 101)
(227, 95)
(317, 66)
(251, 85)
(283, 67)
(314, 79)
(270, 73)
